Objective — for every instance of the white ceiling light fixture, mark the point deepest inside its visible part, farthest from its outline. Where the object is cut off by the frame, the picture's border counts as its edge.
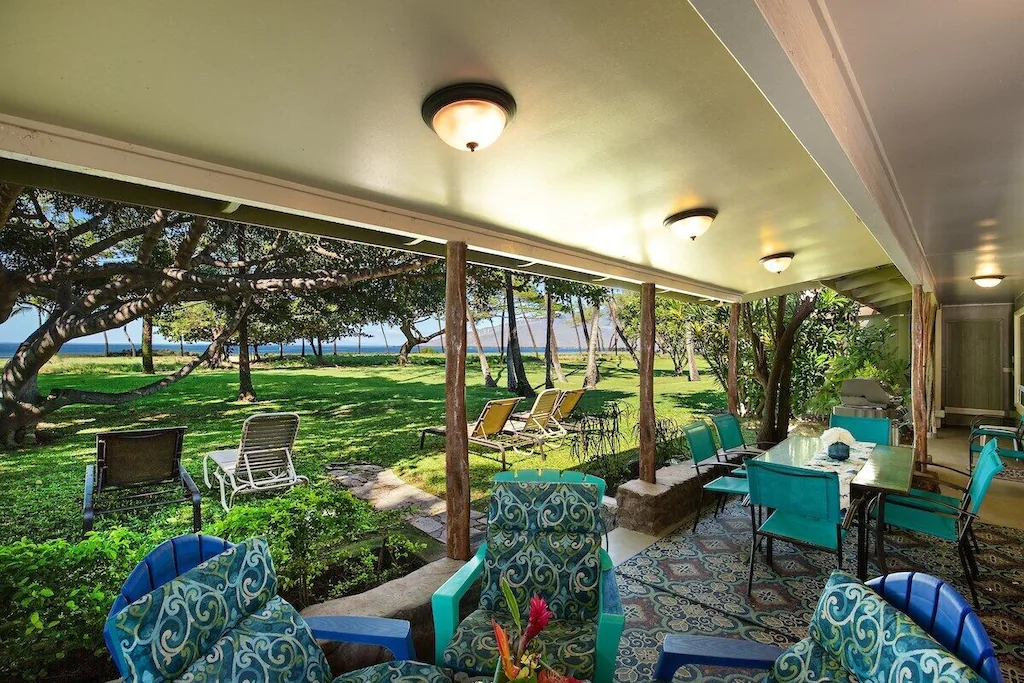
(987, 281)
(776, 263)
(469, 116)
(691, 223)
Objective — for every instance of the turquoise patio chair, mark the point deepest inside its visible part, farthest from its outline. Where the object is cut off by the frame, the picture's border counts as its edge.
(936, 516)
(200, 608)
(545, 538)
(1011, 435)
(551, 475)
(805, 509)
(730, 436)
(702, 448)
(871, 429)
(931, 635)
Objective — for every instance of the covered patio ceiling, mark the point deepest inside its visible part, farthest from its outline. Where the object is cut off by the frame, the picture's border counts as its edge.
(627, 113)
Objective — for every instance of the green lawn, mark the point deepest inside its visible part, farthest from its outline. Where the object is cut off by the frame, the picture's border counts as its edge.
(364, 410)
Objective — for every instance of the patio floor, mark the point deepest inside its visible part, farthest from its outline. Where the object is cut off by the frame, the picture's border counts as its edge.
(695, 583)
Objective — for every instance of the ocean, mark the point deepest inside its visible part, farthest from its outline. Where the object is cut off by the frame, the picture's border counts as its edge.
(7, 349)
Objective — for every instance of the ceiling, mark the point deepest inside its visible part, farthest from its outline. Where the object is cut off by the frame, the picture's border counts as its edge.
(943, 85)
(628, 112)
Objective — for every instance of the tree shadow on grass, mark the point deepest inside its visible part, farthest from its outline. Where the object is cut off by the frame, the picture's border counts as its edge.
(704, 401)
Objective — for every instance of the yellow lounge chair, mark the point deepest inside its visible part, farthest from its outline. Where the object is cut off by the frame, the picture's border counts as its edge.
(489, 429)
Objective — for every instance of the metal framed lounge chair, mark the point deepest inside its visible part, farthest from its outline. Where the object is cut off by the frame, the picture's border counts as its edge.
(538, 424)
(934, 515)
(566, 410)
(734, 444)
(805, 509)
(198, 607)
(870, 429)
(932, 605)
(1010, 434)
(702, 448)
(262, 461)
(488, 431)
(137, 469)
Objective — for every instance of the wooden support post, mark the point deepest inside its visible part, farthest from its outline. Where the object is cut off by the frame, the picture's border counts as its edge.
(456, 430)
(922, 323)
(732, 389)
(647, 432)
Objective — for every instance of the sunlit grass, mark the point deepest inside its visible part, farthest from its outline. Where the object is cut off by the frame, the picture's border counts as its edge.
(365, 410)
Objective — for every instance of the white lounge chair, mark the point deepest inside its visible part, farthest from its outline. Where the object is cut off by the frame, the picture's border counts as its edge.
(262, 461)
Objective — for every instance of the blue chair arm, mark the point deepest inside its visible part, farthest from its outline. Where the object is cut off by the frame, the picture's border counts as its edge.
(393, 634)
(611, 604)
(446, 599)
(679, 650)
(610, 624)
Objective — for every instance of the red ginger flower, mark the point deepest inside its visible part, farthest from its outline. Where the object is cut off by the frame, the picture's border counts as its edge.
(537, 621)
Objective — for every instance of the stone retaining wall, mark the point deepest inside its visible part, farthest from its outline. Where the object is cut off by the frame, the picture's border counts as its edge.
(655, 508)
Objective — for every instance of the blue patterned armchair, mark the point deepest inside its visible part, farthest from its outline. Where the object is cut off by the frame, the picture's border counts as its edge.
(201, 610)
(544, 537)
(915, 628)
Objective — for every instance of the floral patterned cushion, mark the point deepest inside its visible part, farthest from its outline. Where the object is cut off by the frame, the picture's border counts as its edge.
(808, 662)
(393, 672)
(568, 646)
(161, 634)
(272, 646)
(545, 539)
(877, 642)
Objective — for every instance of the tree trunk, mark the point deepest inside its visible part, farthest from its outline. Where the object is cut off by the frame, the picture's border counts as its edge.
(129, 338)
(280, 350)
(147, 344)
(529, 330)
(303, 353)
(579, 339)
(497, 342)
(387, 347)
(181, 344)
(552, 342)
(320, 349)
(593, 375)
(549, 333)
(501, 347)
(256, 352)
(485, 368)
(359, 342)
(106, 344)
(518, 383)
(775, 417)
(613, 312)
(246, 392)
(334, 346)
(732, 388)
(583, 321)
(691, 354)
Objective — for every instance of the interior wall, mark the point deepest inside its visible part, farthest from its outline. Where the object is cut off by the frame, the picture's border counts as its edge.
(975, 359)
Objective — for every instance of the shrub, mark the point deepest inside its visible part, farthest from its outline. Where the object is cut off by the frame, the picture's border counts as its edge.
(54, 597)
(319, 533)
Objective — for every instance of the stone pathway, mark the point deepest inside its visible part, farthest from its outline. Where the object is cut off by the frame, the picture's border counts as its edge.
(385, 491)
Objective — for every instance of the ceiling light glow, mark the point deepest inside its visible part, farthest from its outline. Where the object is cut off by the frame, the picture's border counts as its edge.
(469, 116)
(987, 281)
(691, 223)
(776, 263)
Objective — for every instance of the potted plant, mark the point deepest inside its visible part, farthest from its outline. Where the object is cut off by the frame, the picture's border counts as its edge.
(515, 660)
(838, 441)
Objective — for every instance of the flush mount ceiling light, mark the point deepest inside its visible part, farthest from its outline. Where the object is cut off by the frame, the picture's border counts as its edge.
(987, 280)
(469, 116)
(691, 223)
(776, 263)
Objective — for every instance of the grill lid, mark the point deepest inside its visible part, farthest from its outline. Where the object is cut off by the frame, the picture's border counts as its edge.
(864, 391)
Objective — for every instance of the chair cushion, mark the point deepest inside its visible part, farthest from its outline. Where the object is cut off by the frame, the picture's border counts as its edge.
(545, 539)
(807, 662)
(568, 646)
(877, 642)
(393, 672)
(162, 633)
(274, 645)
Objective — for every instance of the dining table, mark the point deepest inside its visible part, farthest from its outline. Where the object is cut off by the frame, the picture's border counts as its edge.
(872, 472)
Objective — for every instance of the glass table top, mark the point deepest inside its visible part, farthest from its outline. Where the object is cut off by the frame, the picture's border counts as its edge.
(889, 468)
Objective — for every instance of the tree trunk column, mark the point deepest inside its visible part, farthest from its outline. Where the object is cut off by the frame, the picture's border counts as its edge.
(647, 434)
(922, 320)
(456, 430)
(732, 381)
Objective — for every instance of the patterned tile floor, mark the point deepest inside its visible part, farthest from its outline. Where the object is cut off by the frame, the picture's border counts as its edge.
(696, 583)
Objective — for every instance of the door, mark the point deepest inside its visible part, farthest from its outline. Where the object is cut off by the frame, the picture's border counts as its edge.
(973, 381)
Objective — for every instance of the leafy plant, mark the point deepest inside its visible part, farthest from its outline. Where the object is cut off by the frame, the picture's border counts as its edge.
(597, 442)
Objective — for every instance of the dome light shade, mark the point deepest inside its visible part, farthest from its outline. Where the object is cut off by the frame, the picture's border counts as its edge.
(469, 116)
(987, 280)
(776, 263)
(691, 223)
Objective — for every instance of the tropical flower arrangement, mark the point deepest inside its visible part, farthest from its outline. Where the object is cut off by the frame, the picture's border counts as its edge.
(515, 658)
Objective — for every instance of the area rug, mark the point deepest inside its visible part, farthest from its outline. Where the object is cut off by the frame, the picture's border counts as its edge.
(696, 583)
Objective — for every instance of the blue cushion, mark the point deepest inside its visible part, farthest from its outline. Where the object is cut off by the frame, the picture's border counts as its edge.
(808, 662)
(545, 539)
(162, 633)
(274, 645)
(877, 642)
